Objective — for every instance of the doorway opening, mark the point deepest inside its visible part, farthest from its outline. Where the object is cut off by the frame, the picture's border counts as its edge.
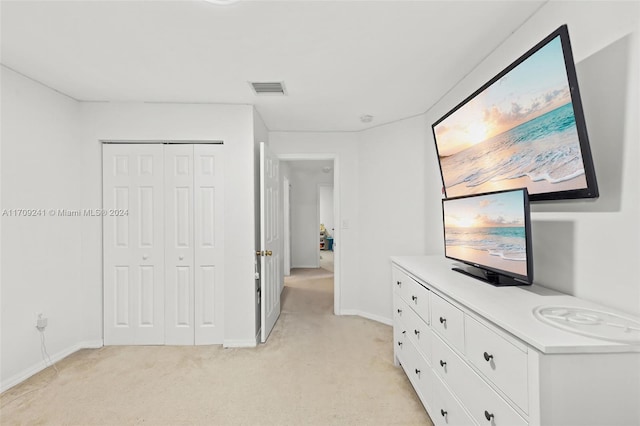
(311, 238)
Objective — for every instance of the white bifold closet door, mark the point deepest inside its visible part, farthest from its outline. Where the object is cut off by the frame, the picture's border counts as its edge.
(193, 244)
(133, 243)
(183, 211)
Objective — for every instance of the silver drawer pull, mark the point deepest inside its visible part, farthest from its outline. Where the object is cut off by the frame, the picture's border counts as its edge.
(416, 332)
(443, 320)
(442, 363)
(400, 311)
(487, 357)
(414, 298)
(399, 283)
(488, 415)
(443, 413)
(399, 343)
(417, 371)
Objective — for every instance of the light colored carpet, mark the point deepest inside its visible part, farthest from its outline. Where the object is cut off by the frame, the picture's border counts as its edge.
(316, 369)
(326, 260)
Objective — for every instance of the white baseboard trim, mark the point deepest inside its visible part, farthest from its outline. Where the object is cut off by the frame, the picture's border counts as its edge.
(25, 374)
(239, 344)
(367, 315)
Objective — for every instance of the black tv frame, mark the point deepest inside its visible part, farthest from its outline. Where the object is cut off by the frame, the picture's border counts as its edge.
(486, 273)
(591, 191)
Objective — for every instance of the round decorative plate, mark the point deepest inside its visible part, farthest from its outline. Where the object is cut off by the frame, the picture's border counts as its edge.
(591, 323)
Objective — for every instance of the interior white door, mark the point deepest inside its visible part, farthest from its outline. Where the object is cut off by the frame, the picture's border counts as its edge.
(270, 259)
(209, 243)
(133, 244)
(179, 245)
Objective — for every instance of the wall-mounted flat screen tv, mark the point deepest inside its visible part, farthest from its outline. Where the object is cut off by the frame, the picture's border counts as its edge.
(492, 234)
(524, 128)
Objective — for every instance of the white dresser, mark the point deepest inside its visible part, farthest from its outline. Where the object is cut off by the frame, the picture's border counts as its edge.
(485, 355)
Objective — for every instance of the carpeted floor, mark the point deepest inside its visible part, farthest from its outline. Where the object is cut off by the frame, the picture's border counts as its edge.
(316, 369)
(326, 260)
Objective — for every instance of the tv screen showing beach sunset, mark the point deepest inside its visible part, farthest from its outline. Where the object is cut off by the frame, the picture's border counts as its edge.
(488, 230)
(518, 132)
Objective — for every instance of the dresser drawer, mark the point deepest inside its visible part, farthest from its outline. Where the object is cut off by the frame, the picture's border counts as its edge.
(447, 321)
(448, 366)
(417, 296)
(418, 331)
(400, 309)
(418, 372)
(446, 410)
(399, 338)
(400, 282)
(501, 361)
(484, 404)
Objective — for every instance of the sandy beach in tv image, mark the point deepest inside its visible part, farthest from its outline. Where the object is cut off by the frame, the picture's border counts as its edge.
(518, 132)
(488, 230)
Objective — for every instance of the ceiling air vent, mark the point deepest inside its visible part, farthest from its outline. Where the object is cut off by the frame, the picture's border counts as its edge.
(268, 88)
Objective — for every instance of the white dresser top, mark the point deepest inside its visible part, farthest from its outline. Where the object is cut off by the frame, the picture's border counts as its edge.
(512, 309)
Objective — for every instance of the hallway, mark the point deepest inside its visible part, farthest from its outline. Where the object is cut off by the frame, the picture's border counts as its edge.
(308, 291)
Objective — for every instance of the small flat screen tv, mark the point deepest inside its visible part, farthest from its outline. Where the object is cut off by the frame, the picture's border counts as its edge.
(523, 128)
(491, 233)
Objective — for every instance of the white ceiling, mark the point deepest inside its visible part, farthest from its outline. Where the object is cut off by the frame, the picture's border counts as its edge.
(339, 60)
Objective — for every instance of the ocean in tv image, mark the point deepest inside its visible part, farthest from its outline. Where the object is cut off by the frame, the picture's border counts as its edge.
(519, 132)
(488, 230)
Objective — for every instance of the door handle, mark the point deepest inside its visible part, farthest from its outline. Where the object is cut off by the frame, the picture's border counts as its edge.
(268, 252)
(259, 253)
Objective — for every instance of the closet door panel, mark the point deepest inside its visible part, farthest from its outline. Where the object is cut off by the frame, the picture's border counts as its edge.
(133, 244)
(179, 247)
(209, 238)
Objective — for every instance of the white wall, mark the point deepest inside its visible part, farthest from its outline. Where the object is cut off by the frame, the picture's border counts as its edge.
(326, 206)
(305, 220)
(41, 169)
(345, 148)
(588, 249)
(395, 186)
(234, 125)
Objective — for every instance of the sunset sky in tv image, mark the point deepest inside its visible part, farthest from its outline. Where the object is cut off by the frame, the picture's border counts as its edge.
(494, 210)
(536, 86)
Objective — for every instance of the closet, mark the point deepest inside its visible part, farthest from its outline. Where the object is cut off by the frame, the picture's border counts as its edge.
(163, 243)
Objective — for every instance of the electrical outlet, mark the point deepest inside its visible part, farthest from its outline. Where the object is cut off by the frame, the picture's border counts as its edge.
(41, 321)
